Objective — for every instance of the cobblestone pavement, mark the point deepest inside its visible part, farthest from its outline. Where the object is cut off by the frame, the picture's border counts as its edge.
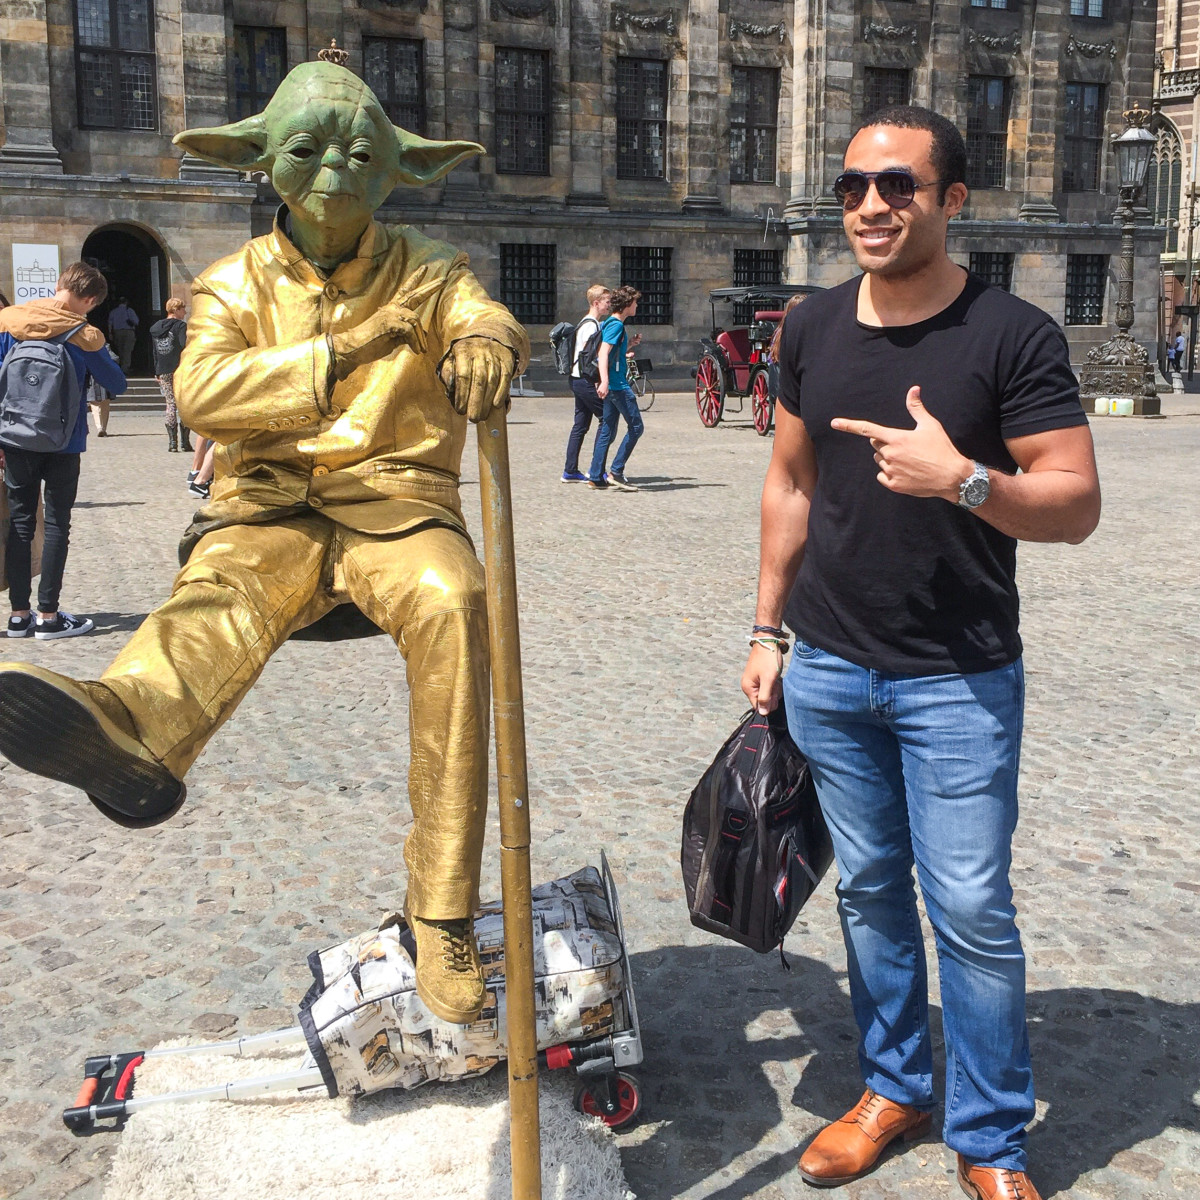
(634, 615)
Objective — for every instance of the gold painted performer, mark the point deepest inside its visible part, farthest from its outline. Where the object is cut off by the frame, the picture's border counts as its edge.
(319, 358)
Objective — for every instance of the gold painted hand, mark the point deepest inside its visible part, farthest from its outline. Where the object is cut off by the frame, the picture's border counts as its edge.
(477, 373)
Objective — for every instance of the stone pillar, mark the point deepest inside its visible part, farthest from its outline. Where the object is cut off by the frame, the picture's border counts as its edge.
(1042, 88)
(25, 82)
(945, 62)
(587, 104)
(704, 107)
(206, 49)
(461, 44)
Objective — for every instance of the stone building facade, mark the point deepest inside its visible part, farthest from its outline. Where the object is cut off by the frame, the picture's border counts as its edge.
(680, 147)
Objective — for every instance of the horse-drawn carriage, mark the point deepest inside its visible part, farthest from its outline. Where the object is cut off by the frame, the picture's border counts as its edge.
(734, 362)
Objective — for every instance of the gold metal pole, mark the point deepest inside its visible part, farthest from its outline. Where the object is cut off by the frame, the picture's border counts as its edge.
(513, 783)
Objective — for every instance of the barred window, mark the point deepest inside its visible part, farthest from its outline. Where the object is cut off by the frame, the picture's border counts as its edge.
(987, 130)
(1084, 140)
(529, 281)
(1163, 197)
(259, 65)
(115, 64)
(993, 267)
(753, 119)
(648, 268)
(989, 3)
(1086, 277)
(394, 69)
(752, 267)
(1087, 8)
(883, 86)
(641, 118)
(522, 111)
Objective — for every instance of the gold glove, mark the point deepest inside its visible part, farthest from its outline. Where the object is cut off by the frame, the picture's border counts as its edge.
(477, 372)
(394, 324)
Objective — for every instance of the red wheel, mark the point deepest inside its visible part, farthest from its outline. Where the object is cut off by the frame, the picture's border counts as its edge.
(710, 390)
(629, 1103)
(761, 404)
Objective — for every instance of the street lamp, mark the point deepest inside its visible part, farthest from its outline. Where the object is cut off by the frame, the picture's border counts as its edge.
(1119, 369)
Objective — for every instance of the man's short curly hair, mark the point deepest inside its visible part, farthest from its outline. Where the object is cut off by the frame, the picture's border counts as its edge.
(623, 297)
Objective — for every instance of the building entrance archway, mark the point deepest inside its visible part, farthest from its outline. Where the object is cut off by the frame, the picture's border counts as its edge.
(135, 266)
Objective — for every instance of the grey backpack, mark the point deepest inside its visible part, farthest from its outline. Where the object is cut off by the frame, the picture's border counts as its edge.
(39, 394)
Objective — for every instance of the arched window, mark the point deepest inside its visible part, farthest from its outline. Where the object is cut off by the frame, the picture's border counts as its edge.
(1165, 180)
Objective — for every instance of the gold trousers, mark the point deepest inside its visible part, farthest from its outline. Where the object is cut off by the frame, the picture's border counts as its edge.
(246, 588)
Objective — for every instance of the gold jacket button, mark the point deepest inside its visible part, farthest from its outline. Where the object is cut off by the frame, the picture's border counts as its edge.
(331, 290)
(334, 412)
(272, 425)
(303, 420)
(320, 470)
(316, 502)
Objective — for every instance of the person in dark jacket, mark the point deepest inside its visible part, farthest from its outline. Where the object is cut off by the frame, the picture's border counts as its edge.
(28, 473)
(167, 339)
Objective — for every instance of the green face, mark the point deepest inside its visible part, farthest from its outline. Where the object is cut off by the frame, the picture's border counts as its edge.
(334, 151)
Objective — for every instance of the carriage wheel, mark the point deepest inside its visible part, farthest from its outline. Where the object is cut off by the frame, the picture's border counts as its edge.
(710, 391)
(629, 1103)
(761, 404)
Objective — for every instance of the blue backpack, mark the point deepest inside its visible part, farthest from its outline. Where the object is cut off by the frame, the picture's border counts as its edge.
(39, 394)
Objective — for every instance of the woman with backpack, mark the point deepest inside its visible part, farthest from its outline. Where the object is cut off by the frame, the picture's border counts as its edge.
(167, 339)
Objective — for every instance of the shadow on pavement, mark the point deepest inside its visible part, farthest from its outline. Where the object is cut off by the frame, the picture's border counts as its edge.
(107, 622)
(1114, 1068)
(107, 503)
(665, 483)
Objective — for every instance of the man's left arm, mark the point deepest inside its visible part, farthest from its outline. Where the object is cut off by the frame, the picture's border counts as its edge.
(485, 345)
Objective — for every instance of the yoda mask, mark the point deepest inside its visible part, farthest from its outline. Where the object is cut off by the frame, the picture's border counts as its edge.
(334, 157)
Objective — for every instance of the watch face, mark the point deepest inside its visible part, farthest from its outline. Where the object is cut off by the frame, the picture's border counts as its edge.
(975, 490)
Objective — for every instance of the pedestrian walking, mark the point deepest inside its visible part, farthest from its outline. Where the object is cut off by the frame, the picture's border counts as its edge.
(54, 475)
(587, 403)
(618, 396)
(1180, 347)
(891, 510)
(122, 331)
(167, 340)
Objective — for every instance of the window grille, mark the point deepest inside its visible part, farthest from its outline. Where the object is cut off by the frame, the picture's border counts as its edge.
(259, 65)
(394, 69)
(1084, 129)
(1086, 277)
(1087, 8)
(1163, 183)
(752, 267)
(883, 86)
(989, 3)
(115, 64)
(641, 118)
(529, 281)
(522, 111)
(753, 122)
(987, 130)
(993, 267)
(648, 268)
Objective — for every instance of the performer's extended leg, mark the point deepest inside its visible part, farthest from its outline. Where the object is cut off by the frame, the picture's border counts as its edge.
(427, 591)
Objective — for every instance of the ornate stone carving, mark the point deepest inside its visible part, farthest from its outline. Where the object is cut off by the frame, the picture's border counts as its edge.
(1009, 44)
(623, 19)
(524, 10)
(1176, 85)
(1090, 49)
(877, 31)
(750, 29)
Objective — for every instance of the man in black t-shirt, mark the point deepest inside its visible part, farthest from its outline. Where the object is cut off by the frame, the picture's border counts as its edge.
(926, 422)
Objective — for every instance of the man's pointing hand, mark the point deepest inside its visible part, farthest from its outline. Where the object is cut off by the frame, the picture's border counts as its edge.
(914, 462)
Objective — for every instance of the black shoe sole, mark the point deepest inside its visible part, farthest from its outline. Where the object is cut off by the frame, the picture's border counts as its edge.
(48, 732)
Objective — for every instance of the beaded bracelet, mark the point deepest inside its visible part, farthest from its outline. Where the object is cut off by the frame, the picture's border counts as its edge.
(778, 644)
(783, 633)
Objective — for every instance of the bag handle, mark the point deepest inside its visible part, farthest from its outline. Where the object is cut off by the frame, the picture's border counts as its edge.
(63, 338)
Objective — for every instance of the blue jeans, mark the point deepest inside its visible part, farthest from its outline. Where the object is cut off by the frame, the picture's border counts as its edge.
(923, 770)
(587, 406)
(619, 402)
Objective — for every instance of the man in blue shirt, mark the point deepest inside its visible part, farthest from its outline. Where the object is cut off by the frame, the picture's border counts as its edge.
(122, 328)
(618, 396)
(28, 473)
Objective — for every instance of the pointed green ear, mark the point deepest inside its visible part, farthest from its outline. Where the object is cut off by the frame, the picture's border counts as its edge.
(423, 161)
(242, 145)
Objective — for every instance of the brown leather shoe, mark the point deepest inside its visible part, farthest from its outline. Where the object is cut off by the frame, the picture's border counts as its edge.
(851, 1146)
(994, 1183)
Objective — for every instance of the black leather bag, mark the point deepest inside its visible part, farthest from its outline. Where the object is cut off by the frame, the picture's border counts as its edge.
(755, 844)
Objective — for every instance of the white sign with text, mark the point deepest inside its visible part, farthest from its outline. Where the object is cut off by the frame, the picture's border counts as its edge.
(35, 271)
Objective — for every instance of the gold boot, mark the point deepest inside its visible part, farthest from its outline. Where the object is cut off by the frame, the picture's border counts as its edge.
(53, 726)
(449, 976)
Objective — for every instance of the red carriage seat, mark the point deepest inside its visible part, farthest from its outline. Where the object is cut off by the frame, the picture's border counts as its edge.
(736, 344)
(769, 314)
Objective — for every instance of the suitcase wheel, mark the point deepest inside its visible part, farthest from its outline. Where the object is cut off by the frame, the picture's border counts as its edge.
(629, 1103)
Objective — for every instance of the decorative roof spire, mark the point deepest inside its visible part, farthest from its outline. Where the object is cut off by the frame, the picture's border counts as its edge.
(339, 58)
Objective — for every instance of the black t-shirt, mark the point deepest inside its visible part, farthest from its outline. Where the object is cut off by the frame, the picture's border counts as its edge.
(908, 585)
(167, 339)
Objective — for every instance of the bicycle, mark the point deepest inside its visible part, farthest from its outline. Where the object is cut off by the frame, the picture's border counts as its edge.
(639, 379)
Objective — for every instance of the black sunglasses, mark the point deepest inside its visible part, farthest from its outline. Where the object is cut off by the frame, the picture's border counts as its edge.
(896, 188)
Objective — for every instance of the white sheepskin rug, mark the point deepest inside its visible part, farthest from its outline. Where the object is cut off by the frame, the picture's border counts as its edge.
(440, 1142)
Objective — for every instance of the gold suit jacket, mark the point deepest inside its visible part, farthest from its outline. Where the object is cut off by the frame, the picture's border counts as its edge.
(378, 451)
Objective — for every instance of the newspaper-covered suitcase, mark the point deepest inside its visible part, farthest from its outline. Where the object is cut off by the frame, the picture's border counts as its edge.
(367, 1029)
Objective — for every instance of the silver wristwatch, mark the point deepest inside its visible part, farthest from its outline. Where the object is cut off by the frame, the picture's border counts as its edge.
(974, 490)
